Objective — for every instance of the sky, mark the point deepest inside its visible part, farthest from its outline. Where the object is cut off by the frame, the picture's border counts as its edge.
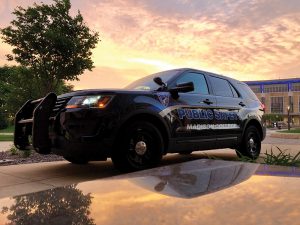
(242, 39)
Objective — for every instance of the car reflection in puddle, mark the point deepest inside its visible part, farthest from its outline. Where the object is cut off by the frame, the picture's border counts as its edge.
(150, 192)
(187, 180)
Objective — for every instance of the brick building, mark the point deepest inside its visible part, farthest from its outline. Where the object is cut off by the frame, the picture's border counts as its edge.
(278, 95)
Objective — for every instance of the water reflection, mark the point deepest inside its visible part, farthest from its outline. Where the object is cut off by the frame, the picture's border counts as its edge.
(182, 181)
(63, 205)
(126, 199)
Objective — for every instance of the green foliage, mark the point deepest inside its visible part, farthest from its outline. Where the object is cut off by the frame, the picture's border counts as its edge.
(244, 158)
(26, 153)
(18, 86)
(6, 137)
(9, 129)
(292, 131)
(13, 150)
(282, 159)
(272, 117)
(52, 44)
(3, 121)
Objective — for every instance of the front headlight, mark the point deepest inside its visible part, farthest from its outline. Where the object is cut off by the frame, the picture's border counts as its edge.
(92, 101)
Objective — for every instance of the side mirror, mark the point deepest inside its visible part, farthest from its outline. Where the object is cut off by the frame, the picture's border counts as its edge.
(158, 81)
(181, 88)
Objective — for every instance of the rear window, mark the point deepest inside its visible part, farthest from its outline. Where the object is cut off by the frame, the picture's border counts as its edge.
(250, 94)
(221, 87)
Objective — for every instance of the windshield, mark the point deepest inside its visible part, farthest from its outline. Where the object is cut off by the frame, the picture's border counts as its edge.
(147, 83)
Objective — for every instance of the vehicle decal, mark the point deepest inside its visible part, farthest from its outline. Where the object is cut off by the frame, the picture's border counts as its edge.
(164, 98)
(211, 126)
(196, 114)
(202, 114)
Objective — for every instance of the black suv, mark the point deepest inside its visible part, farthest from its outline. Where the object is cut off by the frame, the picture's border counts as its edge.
(180, 110)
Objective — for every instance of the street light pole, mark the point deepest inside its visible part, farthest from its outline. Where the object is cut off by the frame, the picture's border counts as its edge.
(289, 122)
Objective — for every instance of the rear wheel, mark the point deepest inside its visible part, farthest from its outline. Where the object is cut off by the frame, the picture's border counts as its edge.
(251, 143)
(76, 160)
(140, 147)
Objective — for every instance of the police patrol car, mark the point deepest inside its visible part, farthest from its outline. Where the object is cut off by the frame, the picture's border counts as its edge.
(180, 110)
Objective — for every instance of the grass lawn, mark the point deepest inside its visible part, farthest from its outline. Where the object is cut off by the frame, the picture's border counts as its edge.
(6, 137)
(8, 130)
(292, 131)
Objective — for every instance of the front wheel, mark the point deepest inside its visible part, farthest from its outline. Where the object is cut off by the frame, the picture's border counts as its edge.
(139, 147)
(251, 143)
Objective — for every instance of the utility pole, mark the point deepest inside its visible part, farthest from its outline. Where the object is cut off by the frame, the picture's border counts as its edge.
(289, 121)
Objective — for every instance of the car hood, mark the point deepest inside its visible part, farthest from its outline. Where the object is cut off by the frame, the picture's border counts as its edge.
(103, 91)
(197, 192)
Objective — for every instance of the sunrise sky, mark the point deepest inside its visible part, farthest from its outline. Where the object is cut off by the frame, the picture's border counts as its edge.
(246, 39)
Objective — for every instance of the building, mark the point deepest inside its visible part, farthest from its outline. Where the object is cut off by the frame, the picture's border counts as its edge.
(279, 97)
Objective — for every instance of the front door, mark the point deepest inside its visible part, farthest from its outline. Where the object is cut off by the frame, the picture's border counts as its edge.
(192, 114)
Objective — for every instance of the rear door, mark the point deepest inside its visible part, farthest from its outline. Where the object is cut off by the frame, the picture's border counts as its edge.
(227, 113)
(194, 114)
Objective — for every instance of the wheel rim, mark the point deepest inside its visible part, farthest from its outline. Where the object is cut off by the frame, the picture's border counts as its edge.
(140, 147)
(253, 144)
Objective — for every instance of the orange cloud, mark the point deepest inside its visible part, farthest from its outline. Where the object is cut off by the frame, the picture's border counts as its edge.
(243, 39)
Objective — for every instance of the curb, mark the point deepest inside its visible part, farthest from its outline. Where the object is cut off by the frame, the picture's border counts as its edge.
(285, 135)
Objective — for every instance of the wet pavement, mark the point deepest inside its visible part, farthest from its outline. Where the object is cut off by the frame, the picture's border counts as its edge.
(20, 179)
(201, 191)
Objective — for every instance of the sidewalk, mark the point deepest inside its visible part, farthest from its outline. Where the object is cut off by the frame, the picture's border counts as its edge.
(27, 178)
(5, 145)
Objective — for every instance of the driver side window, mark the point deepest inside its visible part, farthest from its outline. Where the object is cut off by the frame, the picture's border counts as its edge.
(200, 85)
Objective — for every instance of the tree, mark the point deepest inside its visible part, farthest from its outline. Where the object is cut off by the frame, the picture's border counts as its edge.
(52, 44)
(15, 90)
(62, 205)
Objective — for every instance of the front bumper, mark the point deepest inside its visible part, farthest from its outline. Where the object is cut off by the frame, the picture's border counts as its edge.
(87, 150)
(71, 132)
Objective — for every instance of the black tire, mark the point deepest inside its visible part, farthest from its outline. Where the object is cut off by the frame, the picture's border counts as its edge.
(251, 143)
(140, 146)
(75, 160)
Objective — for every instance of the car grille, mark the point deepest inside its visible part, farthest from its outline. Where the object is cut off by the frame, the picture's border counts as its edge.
(59, 105)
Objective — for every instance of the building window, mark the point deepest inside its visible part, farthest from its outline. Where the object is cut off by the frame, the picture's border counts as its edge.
(275, 88)
(276, 104)
(255, 88)
(296, 87)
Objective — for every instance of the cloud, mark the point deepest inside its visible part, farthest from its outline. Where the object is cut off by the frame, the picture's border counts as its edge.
(246, 39)
(107, 77)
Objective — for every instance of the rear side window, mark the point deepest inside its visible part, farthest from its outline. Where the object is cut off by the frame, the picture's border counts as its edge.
(250, 94)
(234, 92)
(221, 87)
(200, 85)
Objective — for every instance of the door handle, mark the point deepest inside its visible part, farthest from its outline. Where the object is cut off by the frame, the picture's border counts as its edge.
(207, 101)
(242, 104)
